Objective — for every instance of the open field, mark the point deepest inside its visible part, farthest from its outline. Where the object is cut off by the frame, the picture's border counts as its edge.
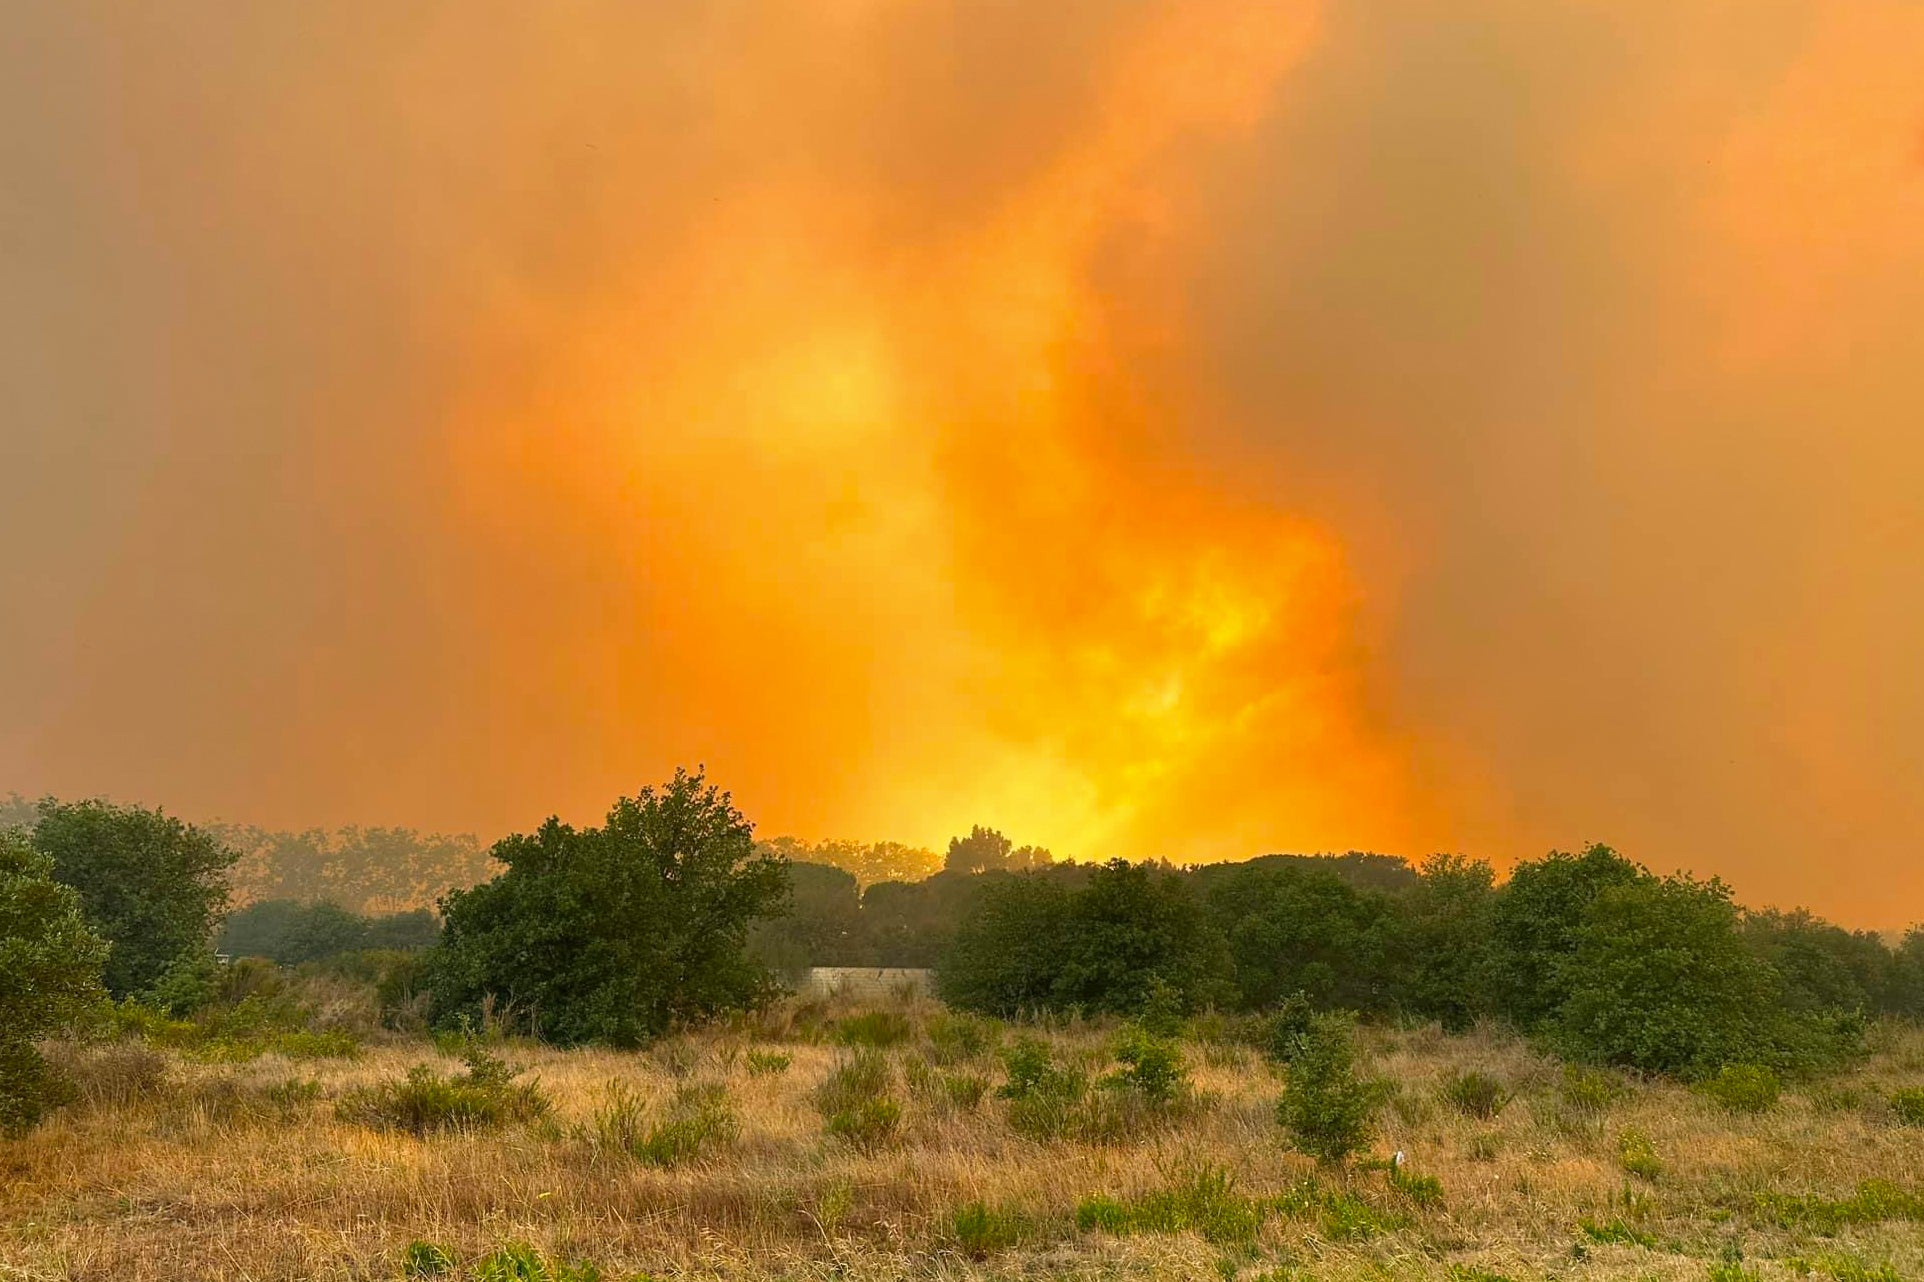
(248, 1171)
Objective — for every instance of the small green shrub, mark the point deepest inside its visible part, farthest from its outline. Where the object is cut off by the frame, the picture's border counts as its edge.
(964, 1091)
(1418, 1190)
(1907, 1105)
(866, 1123)
(981, 1230)
(521, 1263)
(1615, 1233)
(768, 1063)
(1637, 1155)
(1590, 1090)
(698, 1118)
(1874, 1202)
(1731, 1271)
(1152, 1068)
(874, 1029)
(1344, 1217)
(1283, 1032)
(1474, 1094)
(958, 1039)
(1203, 1200)
(864, 1075)
(1328, 1111)
(425, 1260)
(1744, 1088)
(424, 1101)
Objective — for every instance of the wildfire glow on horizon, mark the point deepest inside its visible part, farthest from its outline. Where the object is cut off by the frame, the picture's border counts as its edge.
(1168, 429)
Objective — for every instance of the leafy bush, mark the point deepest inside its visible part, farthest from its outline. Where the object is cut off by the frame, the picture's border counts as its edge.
(1744, 1088)
(1283, 1031)
(1030, 942)
(50, 964)
(1907, 1105)
(153, 887)
(960, 1038)
(875, 1029)
(425, 1260)
(1043, 1096)
(520, 1263)
(486, 1095)
(1328, 1111)
(615, 934)
(1535, 924)
(1474, 1094)
(1660, 980)
(1152, 1068)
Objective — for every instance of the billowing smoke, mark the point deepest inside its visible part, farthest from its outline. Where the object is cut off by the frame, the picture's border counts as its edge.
(1184, 429)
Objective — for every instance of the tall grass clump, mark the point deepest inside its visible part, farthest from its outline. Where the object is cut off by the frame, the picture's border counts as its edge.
(961, 1039)
(697, 1119)
(854, 1100)
(1203, 1200)
(1744, 1088)
(486, 1095)
(1474, 1094)
(875, 1029)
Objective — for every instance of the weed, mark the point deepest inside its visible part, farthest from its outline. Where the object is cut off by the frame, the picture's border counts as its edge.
(959, 1039)
(1616, 1232)
(874, 1029)
(1637, 1155)
(1874, 1202)
(696, 1119)
(1907, 1105)
(1419, 1190)
(425, 1260)
(980, 1230)
(424, 1101)
(964, 1091)
(866, 1123)
(768, 1063)
(1590, 1090)
(1474, 1094)
(1203, 1200)
(520, 1263)
(1744, 1088)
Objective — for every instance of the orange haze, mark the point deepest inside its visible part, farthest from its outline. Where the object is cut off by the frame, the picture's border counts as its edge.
(1168, 428)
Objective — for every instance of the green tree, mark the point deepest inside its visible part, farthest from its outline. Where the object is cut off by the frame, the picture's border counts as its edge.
(1031, 941)
(49, 972)
(155, 888)
(1659, 979)
(615, 934)
(1535, 923)
(1440, 942)
(1297, 927)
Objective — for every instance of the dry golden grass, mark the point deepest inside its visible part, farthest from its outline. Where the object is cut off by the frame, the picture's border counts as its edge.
(170, 1169)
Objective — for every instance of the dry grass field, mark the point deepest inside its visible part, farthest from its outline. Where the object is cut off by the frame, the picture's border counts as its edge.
(173, 1168)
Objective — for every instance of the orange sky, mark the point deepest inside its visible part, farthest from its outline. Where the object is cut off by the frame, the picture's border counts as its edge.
(1187, 429)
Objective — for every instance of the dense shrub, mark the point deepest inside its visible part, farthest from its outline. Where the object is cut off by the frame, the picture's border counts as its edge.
(1292, 928)
(1744, 1088)
(153, 887)
(486, 1095)
(1438, 951)
(1030, 943)
(1659, 979)
(1327, 1109)
(1152, 1069)
(617, 933)
(1534, 926)
(1474, 1094)
(50, 965)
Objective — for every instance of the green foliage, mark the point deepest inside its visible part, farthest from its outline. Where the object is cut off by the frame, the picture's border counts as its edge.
(1328, 1111)
(768, 1063)
(1283, 1030)
(1152, 1068)
(1659, 979)
(522, 1263)
(958, 1038)
(986, 850)
(1030, 943)
(964, 1091)
(1296, 928)
(1535, 923)
(874, 1028)
(425, 1260)
(854, 1100)
(1744, 1088)
(1616, 1233)
(1439, 954)
(1203, 1200)
(980, 1230)
(1417, 1190)
(696, 1120)
(1590, 1090)
(1873, 1202)
(153, 887)
(50, 964)
(1637, 1155)
(615, 934)
(486, 1095)
(291, 933)
(1474, 1094)
(1907, 1105)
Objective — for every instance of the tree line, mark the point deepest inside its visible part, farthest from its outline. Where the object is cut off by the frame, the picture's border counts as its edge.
(670, 913)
